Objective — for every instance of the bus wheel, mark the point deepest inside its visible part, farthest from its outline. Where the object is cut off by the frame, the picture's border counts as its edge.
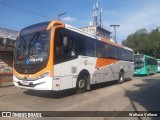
(81, 85)
(121, 77)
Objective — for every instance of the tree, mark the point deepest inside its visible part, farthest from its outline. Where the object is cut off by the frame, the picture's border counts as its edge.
(144, 42)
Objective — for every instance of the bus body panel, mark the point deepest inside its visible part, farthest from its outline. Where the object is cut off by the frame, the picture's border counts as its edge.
(40, 84)
(108, 72)
(68, 71)
(63, 75)
(149, 66)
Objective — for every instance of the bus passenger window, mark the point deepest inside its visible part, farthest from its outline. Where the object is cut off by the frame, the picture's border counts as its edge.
(65, 46)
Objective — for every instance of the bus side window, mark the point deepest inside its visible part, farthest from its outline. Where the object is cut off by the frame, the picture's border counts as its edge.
(90, 47)
(112, 52)
(69, 46)
(102, 49)
(79, 47)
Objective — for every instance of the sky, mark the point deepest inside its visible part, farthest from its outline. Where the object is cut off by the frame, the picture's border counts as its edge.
(131, 15)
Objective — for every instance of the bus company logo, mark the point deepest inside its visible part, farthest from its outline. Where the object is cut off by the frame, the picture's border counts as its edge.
(27, 61)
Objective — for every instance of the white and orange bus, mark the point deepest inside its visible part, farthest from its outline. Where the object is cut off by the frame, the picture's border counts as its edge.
(56, 56)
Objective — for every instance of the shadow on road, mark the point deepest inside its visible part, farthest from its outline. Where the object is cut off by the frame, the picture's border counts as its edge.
(107, 84)
(69, 92)
(148, 96)
(51, 94)
(139, 75)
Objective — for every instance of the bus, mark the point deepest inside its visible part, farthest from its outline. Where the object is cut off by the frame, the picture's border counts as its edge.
(145, 65)
(56, 56)
(158, 62)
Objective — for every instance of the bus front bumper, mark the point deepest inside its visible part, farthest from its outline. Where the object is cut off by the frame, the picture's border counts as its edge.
(46, 83)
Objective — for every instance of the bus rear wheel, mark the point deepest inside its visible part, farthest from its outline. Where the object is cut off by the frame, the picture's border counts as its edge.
(81, 85)
(121, 77)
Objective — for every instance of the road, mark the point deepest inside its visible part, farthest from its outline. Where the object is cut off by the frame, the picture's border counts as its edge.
(138, 94)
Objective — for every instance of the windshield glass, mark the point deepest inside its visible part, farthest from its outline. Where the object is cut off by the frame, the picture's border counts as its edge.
(138, 60)
(32, 48)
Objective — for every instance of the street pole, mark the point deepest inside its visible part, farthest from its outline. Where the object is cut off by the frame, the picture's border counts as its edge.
(114, 28)
(59, 15)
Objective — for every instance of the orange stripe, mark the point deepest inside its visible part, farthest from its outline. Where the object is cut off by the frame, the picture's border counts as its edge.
(112, 43)
(55, 22)
(101, 62)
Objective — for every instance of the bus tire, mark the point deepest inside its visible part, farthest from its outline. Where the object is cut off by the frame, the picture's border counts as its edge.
(81, 85)
(121, 77)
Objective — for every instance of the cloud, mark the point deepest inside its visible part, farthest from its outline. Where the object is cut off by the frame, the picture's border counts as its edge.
(69, 19)
(146, 16)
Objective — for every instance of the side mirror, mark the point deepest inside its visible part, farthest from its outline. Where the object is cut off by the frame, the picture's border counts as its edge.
(65, 42)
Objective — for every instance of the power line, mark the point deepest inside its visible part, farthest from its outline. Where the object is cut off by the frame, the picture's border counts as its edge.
(24, 10)
(9, 27)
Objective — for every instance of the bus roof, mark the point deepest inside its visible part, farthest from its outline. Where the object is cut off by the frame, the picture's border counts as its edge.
(145, 56)
(47, 25)
(35, 28)
(95, 37)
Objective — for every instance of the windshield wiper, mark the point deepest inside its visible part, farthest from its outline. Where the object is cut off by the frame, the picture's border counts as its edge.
(33, 40)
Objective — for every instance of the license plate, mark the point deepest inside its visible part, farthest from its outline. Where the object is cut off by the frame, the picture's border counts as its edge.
(25, 82)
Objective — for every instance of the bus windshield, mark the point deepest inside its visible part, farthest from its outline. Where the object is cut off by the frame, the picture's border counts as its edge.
(32, 47)
(138, 61)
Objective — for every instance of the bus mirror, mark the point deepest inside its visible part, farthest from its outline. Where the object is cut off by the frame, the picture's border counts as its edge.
(65, 41)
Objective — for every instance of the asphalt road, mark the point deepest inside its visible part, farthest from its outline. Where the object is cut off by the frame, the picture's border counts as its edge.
(138, 94)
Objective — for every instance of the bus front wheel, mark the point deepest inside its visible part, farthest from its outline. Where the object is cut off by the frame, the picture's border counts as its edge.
(81, 85)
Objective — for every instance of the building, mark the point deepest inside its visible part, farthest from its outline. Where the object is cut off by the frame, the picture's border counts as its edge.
(7, 43)
(97, 31)
(7, 39)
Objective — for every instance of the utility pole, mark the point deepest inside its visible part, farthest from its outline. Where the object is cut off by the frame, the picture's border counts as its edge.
(95, 14)
(114, 28)
(100, 19)
(59, 15)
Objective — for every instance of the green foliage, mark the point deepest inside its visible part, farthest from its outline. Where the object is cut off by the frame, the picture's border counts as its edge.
(144, 42)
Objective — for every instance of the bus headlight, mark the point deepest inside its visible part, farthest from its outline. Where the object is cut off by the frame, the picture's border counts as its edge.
(46, 74)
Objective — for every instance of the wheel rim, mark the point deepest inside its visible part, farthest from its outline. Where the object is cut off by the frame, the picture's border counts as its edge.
(121, 78)
(81, 83)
